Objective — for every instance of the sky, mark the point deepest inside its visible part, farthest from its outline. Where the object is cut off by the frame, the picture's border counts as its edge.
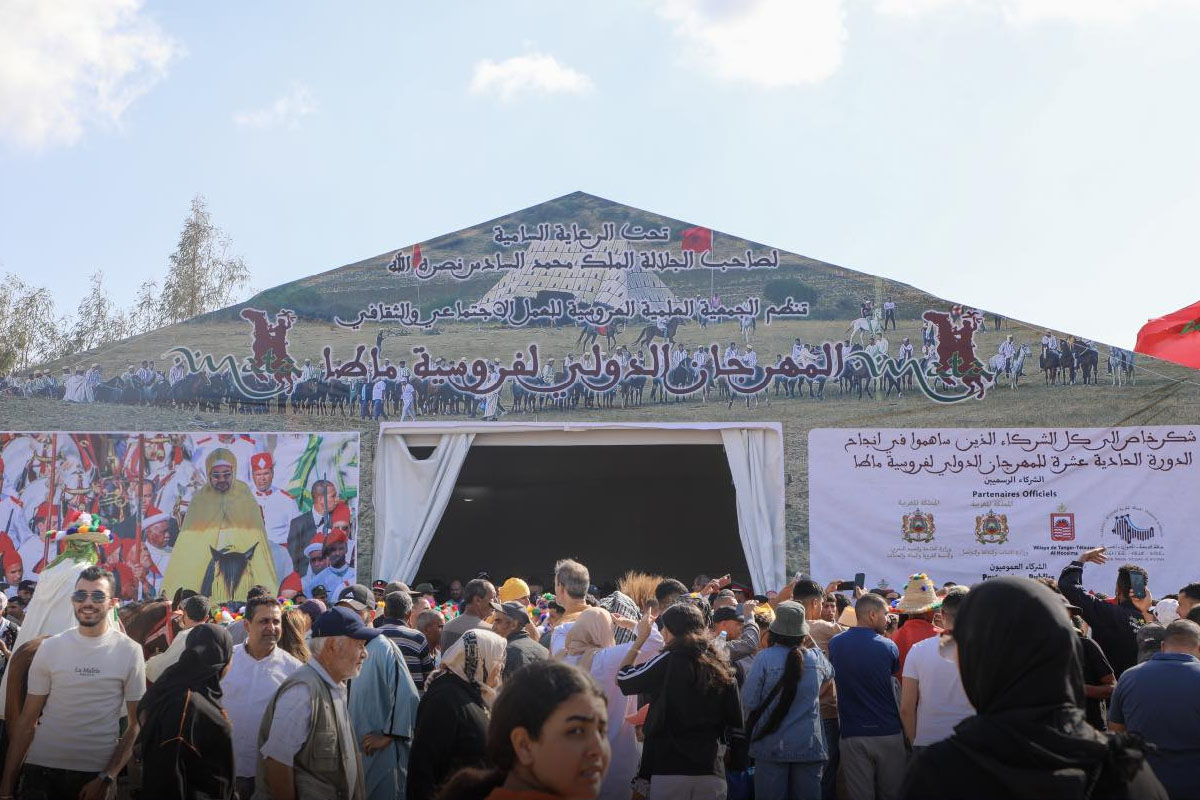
(1036, 157)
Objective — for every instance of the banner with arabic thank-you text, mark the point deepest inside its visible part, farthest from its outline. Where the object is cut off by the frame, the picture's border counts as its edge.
(974, 503)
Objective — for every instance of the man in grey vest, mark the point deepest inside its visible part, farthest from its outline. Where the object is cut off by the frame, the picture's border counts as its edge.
(306, 741)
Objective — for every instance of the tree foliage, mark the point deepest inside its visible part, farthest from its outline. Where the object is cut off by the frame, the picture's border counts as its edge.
(30, 331)
(204, 274)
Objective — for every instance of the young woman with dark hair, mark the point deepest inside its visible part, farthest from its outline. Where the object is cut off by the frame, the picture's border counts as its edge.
(547, 739)
(693, 704)
(787, 738)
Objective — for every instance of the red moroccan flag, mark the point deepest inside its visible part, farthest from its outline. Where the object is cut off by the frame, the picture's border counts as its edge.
(416, 261)
(1175, 337)
(698, 240)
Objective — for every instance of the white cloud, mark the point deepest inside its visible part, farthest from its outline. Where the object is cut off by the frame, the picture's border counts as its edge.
(1026, 12)
(65, 64)
(1106, 11)
(915, 8)
(767, 43)
(284, 111)
(535, 73)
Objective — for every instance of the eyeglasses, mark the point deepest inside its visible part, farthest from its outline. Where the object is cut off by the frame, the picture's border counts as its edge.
(82, 596)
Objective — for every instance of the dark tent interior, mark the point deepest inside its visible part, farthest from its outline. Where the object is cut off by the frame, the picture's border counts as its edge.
(665, 509)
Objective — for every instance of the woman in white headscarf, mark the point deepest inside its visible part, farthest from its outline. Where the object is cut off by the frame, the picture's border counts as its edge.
(452, 719)
(591, 646)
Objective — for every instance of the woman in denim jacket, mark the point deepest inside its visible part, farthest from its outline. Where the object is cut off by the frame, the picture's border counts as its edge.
(783, 721)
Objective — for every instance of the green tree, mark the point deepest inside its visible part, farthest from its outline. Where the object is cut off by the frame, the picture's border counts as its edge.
(204, 274)
(98, 320)
(30, 331)
(147, 313)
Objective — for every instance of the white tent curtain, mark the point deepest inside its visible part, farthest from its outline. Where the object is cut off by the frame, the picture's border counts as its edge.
(756, 463)
(410, 498)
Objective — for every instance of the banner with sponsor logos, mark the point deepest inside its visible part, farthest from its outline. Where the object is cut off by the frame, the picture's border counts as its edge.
(967, 504)
(213, 512)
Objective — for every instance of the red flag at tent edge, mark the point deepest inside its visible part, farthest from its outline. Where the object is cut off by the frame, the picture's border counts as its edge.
(416, 259)
(698, 240)
(1173, 337)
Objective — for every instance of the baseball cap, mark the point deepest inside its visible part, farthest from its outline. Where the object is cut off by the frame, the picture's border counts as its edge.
(340, 621)
(516, 611)
(726, 614)
(1150, 640)
(357, 596)
(397, 586)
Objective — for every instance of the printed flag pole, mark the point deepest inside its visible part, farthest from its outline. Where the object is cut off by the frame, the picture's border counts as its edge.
(50, 524)
(137, 537)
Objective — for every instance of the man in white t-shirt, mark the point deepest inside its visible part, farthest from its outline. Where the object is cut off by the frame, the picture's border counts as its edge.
(67, 733)
(378, 391)
(571, 583)
(932, 700)
(256, 671)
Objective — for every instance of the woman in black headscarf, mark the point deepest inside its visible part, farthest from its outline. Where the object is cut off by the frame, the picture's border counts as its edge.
(1020, 662)
(187, 752)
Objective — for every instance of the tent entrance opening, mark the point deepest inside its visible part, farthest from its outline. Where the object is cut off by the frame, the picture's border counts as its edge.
(515, 510)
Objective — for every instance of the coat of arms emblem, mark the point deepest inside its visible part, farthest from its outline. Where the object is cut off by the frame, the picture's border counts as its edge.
(1062, 526)
(917, 526)
(991, 528)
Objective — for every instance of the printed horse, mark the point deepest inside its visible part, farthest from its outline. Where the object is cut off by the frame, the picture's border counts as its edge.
(747, 326)
(865, 326)
(590, 333)
(652, 332)
(228, 566)
(1120, 365)
(1048, 362)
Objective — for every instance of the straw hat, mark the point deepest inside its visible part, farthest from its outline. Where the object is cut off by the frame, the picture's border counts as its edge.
(848, 619)
(920, 595)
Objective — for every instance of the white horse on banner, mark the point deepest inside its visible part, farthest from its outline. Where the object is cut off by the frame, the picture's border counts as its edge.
(866, 326)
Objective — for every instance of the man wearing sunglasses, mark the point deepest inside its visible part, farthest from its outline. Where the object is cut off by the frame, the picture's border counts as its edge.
(77, 682)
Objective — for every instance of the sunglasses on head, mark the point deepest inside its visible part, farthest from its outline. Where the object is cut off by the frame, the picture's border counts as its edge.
(96, 596)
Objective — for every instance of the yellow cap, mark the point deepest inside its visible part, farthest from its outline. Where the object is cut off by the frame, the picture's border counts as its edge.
(513, 589)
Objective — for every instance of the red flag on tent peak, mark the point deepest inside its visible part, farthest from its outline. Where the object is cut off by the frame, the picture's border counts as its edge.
(1174, 337)
(698, 240)
(416, 258)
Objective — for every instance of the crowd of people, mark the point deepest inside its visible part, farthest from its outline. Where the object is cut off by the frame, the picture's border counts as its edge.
(1012, 688)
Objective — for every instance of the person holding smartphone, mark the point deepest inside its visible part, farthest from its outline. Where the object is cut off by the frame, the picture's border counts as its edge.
(1114, 622)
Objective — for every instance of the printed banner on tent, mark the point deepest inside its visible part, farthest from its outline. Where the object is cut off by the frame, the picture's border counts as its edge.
(213, 512)
(967, 504)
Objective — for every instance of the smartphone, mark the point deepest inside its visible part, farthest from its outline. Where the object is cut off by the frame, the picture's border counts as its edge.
(860, 579)
(846, 586)
(1137, 585)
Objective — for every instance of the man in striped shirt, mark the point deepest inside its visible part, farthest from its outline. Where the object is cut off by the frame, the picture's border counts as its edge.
(397, 604)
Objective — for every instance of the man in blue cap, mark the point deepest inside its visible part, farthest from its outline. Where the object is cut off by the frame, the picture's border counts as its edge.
(309, 711)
